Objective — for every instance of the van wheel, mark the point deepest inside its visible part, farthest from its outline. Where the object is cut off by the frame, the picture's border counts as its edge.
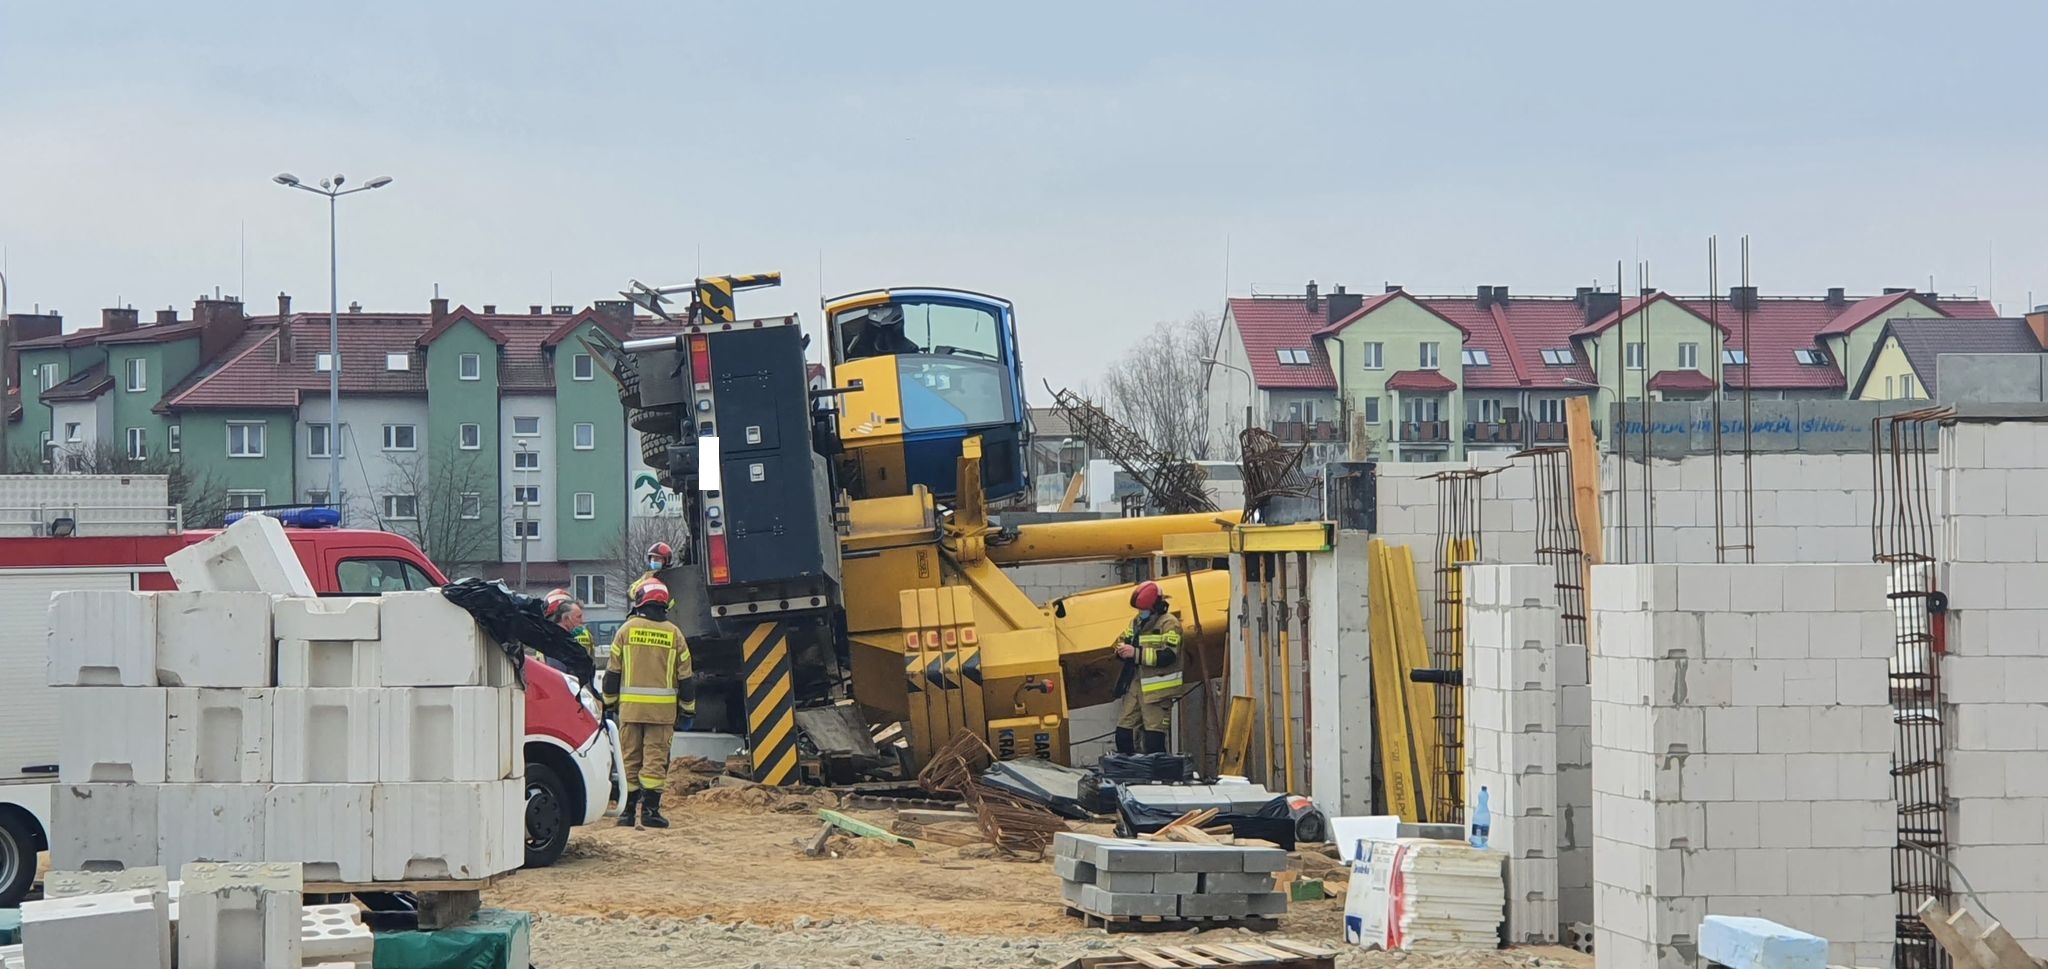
(18, 843)
(547, 816)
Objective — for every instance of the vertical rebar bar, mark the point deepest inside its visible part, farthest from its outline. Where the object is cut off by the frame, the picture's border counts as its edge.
(1720, 383)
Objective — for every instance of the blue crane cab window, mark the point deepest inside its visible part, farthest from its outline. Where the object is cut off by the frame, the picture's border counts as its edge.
(920, 327)
(943, 392)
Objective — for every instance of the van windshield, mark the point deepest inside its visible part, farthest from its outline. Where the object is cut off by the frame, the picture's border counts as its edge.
(369, 577)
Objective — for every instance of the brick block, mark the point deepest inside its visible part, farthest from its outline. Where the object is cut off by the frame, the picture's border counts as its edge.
(111, 734)
(1207, 859)
(454, 830)
(432, 642)
(324, 736)
(68, 884)
(1109, 854)
(103, 827)
(1260, 859)
(118, 929)
(251, 555)
(1073, 869)
(213, 639)
(1240, 883)
(433, 735)
(217, 736)
(1176, 882)
(334, 933)
(1216, 905)
(102, 638)
(321, 826)
(326, 619)
(1125, 882)
(330, 663)
(210, 822)
(1094, 899)
(241, 914)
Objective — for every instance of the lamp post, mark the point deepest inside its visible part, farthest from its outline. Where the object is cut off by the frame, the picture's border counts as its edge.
(331, 188)
(1251, 387)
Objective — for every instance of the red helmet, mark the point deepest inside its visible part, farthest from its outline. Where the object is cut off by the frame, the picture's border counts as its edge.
(660, 550)
(1146, 596)
(557, 607)
(652, 590)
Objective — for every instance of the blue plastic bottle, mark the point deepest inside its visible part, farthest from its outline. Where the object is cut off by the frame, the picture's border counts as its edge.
(1482, 821)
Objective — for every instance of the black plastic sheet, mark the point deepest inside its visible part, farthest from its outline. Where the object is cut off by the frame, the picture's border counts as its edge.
(1148, 768)
(517, 624)
(1284, 820)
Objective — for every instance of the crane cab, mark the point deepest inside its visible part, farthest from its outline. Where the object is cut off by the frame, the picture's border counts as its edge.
(934, 367)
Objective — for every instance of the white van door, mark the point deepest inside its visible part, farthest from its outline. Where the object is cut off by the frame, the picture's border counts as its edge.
(28, 730)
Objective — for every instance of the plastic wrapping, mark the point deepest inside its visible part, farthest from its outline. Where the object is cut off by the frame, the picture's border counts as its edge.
(1147, 768)
(1284, 819)
(515, 621)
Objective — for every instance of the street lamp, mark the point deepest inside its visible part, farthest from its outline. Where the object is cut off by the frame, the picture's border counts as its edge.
(1251, 387)
(331, 188)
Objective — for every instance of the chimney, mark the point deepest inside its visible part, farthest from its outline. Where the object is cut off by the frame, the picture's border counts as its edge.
(534, 309)
(1393, 287)
(1485, 296)
(1599, 305)
(27, 326)
(437, 310)
(1500, 296)
(616, 309)
(562, 309)
(283, 343)
(1895, 290)
(167, 317)
(1343, 304)
(1837, 296)
(1647, 292)
(1742, 297)
(118, 320)
(354, 307)
(1314, 302)
(2037, 324)
(220, 323)
(490, 309)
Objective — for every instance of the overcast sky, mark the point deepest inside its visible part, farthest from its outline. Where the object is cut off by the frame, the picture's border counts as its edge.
(1092, 161)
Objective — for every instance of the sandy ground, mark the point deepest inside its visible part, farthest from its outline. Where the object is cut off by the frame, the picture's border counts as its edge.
(730, 885)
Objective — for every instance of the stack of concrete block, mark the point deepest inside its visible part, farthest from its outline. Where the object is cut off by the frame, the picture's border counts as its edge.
(241, 915)
(1118, 879)
(1511, 733)
(252, 722)
(1742, 734)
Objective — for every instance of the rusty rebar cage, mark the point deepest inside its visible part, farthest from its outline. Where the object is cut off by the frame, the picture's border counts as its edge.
(1460, 536)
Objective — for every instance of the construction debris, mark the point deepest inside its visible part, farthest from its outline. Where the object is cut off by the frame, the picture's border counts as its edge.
(1271, 953)
(862, 828)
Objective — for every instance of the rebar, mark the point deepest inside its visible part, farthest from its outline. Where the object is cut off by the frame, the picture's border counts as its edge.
(1460, 534)
(1558, 543)
(1174, 483)
(1272, 469)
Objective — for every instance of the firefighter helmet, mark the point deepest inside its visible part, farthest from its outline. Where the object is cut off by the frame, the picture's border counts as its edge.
(650, 591)
(1146, 596)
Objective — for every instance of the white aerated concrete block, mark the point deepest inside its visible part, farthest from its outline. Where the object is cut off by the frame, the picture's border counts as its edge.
(111, 734)
(102, 637)
(251, 555)
(325, 827)
(117, 930)
(210, 822)
(324, 736)
(459, 734)
(330, 662)
(343, 618)
(213, 639)
(430, 641)
(103, 827)
(334, 933)
(243, 915)
(444, 830)
(218, 736)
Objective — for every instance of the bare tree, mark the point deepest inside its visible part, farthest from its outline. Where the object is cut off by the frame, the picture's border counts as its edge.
(1159, 386)
(626, 558)
(201, 495)
(448, 509)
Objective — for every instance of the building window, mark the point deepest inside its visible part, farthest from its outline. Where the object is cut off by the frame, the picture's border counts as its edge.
(1906, 389)
(245, 439)
(526, 528)
(138, 444)
(526, 494)
(401, 437)
(1735, 358)
(581, 367)
(318, 496)
(1633, 356)
(398, 361)
(525, 426)
(469, 437)
(73, 432)
(1292, 356)
(402, 507)
(1558, 357)
(590, 590)
(1550, 410)
(1888, 395)
(526, 460)
(1370, 408)
(471, 506)
(174, 438)
(1429, 356)
(1375, 355)
(469, 366)
(1477, 358)
(1489, 410)
(323, 362)
(322, 442)
(138, 374)
(586, 504)
(245, 500)
(49, 375)
(586, 437)
(1419, 410)
(1814, 357)
(1688, 356)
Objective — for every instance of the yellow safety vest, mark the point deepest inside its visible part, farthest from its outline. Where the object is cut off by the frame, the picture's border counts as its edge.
(650, 657)
(1156, 674)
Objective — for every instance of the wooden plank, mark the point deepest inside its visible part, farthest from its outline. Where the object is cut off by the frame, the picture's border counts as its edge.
(409, 885)
(1390, 698)
(1147, 959)
(816, 847)
(945, 834)
(1585, 458)
(1277, 955)
(1300, 949)
(921, 816)
(1236, 955)
(1191, 958)
(862, 828)
(1413, 644)
(2004, 950)
(1972, 936)
(1935, 916)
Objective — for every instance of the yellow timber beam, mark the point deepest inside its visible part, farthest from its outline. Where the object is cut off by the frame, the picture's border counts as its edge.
(1303, 537)
(1106, 538)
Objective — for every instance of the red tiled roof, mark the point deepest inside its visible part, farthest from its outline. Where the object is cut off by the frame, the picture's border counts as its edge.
(1267, 325)
(1682, 380)
(1363, 308)
(604, 321)
(459, 315)
(152, 334)
(1515, 339)
(1421, 382)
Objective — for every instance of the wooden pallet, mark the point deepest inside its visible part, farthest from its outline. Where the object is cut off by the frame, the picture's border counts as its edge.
(1171, 923)
(1272, 953)
(443, 902)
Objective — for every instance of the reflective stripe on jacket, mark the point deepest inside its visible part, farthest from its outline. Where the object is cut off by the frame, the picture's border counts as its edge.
(651, 658)
(1159, 656)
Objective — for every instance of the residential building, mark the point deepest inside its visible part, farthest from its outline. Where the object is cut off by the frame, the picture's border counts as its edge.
(1903, 364)
(1429, 378)
(1269, 364)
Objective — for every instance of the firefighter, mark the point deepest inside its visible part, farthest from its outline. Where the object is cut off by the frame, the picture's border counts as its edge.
(659, 557)
(648, 681)
(563, 610)
(1151, 679)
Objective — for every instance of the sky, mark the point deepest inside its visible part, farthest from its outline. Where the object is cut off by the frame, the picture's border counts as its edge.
(1105, 165)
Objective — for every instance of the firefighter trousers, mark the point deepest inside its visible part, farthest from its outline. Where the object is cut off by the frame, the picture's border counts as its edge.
(1147, 710)
(645, 747)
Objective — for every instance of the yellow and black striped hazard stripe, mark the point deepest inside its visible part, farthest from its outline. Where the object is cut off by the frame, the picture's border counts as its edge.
(715, 294)
(771, 706)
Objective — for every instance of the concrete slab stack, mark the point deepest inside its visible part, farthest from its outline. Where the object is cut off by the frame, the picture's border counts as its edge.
(1511, 733)
(1742, 738)
(180, 745)
(1118, 879)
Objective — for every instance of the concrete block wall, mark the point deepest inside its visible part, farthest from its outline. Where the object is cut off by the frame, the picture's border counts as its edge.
(1806, 507)
(1994, 480)
(1511, 732)
(1742, 740)
(1408, 509)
